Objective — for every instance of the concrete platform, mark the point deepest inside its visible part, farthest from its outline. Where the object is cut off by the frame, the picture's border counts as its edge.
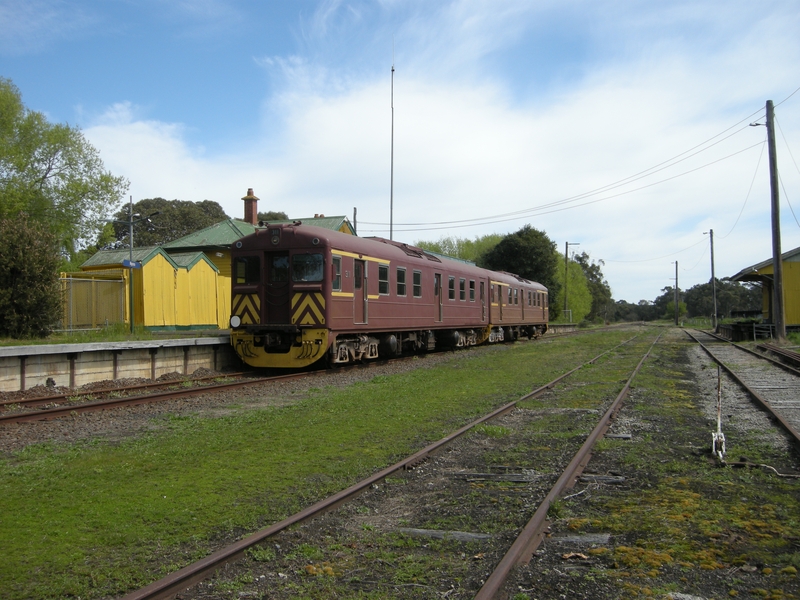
(74, 365)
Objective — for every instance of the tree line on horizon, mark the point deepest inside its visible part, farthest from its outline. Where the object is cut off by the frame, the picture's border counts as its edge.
(531, 254)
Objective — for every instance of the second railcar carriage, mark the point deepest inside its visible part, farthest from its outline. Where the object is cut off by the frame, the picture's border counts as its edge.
(303, 293)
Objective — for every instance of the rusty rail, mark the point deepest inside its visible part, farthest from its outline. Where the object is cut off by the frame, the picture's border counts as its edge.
(526, 543)
(172, 584)
(760, 399)
(61, 411)
(39, 400)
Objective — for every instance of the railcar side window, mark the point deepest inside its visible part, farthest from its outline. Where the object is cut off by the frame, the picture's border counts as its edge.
(472, 290)
(452, 288)
(417, 284)
(509, 295)
(307, 267)
(462, 289)
(516, 296)
(247, 269)
(401, 281)
(280, 268)
(383, 280)
(336, 272)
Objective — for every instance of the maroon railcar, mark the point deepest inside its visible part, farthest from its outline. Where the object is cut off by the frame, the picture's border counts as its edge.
(301, 293)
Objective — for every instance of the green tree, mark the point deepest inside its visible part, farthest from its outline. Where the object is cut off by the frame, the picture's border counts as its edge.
(463, 248)
(598, 286)
(670, 311)
(273, 216)
(175, 219)
(106, 238)
(530, 254)
(50, 172)
(30, 297)
(579, 297)
(731, 295)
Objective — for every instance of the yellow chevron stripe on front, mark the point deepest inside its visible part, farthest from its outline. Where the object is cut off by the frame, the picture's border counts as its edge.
(247, 307)
(307, 309)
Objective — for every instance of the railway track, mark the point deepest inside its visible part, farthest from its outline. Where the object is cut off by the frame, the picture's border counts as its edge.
(774, 385)
(69, 403)
(521, 550)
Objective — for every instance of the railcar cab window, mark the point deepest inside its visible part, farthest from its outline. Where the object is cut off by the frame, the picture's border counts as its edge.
(401, 281)
(417, 284)
(247, 270)
(307, 267)
(383, 280)
(452, 288)
(280, 268)
(336, 273)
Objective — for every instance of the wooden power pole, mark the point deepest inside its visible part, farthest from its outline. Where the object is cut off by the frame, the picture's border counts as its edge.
(777, 284)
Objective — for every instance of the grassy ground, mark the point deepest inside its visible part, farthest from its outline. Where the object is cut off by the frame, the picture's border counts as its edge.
(96, 519)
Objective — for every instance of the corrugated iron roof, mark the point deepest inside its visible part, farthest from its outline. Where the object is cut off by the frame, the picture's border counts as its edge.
(219, 235)
(187, 260)
(104, 258)
(790, 256)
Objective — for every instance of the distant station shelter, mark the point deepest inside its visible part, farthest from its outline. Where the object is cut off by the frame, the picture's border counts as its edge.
(763, 273)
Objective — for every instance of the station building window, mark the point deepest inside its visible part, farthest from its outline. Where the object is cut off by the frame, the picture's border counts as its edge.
(401, 281)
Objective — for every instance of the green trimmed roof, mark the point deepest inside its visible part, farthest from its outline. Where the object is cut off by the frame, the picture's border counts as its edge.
(219, 235)
(106, 258)
(751, 273)
(187, 260)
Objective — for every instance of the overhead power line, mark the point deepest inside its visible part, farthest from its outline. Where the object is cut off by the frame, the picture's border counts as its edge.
(514, 215)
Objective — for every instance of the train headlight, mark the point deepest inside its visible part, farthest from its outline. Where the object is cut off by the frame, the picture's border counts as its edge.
(235, 321)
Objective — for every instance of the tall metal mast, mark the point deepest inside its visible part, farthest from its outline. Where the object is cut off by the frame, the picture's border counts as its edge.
(391, 176)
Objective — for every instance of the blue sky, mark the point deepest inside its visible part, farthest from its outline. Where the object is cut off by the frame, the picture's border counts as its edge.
(506, 113)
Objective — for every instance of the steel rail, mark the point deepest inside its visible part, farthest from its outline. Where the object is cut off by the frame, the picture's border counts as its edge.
(174, 583)
(60, 411)
(529, 539)
(38, 400)
(785, 353)
(762, 401)
(777, 363)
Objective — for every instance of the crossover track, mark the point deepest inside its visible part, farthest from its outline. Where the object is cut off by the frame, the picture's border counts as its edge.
(772, 384)
(172, 584)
